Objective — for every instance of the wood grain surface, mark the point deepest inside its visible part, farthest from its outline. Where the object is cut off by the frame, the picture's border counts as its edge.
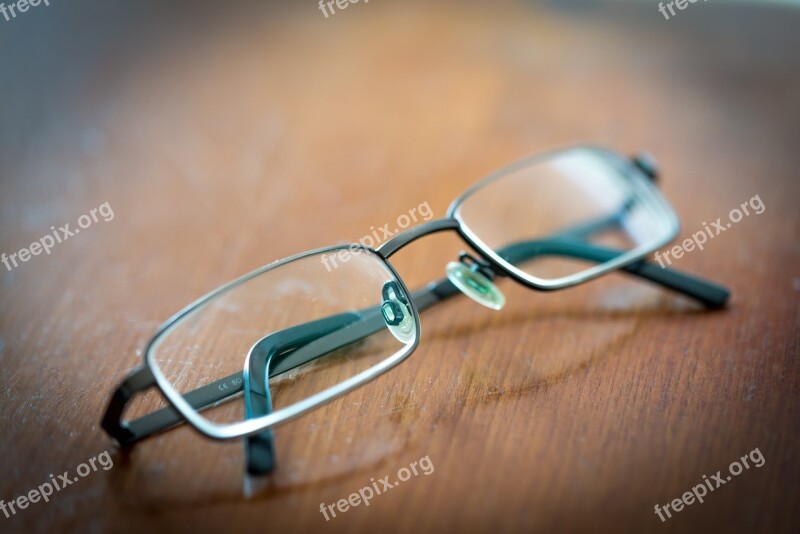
(227, 136)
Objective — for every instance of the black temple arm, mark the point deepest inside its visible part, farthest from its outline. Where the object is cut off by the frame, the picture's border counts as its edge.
(269, 351)
(708, 293)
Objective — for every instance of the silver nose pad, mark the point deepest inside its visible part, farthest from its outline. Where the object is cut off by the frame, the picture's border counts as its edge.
(475, 284)
(397, 313)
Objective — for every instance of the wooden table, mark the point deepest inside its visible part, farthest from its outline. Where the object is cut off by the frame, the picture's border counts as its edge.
(224, 138)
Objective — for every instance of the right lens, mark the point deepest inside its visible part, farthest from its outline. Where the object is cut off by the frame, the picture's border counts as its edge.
(310, 323)
(563, 214)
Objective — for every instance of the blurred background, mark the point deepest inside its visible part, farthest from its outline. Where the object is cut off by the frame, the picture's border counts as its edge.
(227, 135)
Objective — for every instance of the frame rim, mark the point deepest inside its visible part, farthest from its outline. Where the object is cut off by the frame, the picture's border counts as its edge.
(667, 216)
(247, 427)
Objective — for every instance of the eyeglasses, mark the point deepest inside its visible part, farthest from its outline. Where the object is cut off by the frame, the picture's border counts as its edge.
(300, 332)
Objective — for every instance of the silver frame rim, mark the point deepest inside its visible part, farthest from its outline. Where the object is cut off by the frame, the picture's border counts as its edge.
(656, 202)
(225, 431)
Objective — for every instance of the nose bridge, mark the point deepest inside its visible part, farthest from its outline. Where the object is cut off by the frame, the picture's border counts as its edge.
(400, 240)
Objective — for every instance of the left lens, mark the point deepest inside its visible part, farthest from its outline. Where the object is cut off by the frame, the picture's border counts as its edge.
(559, 218)
(288, 335)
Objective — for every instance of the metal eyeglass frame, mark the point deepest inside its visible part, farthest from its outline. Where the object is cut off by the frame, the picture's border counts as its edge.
(282, 351)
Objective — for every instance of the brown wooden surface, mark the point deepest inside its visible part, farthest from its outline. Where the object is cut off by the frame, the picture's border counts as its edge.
(225, 138)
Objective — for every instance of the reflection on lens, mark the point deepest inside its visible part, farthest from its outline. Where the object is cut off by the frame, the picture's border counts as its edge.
(557, 216)
(284, 334)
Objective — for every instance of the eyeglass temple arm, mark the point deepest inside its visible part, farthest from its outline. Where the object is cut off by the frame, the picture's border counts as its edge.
(708, 293)
(704, 291)
(129, 432)
(270, 351)
(270, 356)
(571, 243)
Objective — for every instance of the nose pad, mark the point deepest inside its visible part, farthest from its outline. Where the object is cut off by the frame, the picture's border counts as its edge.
(397, 313)
(475, 285)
